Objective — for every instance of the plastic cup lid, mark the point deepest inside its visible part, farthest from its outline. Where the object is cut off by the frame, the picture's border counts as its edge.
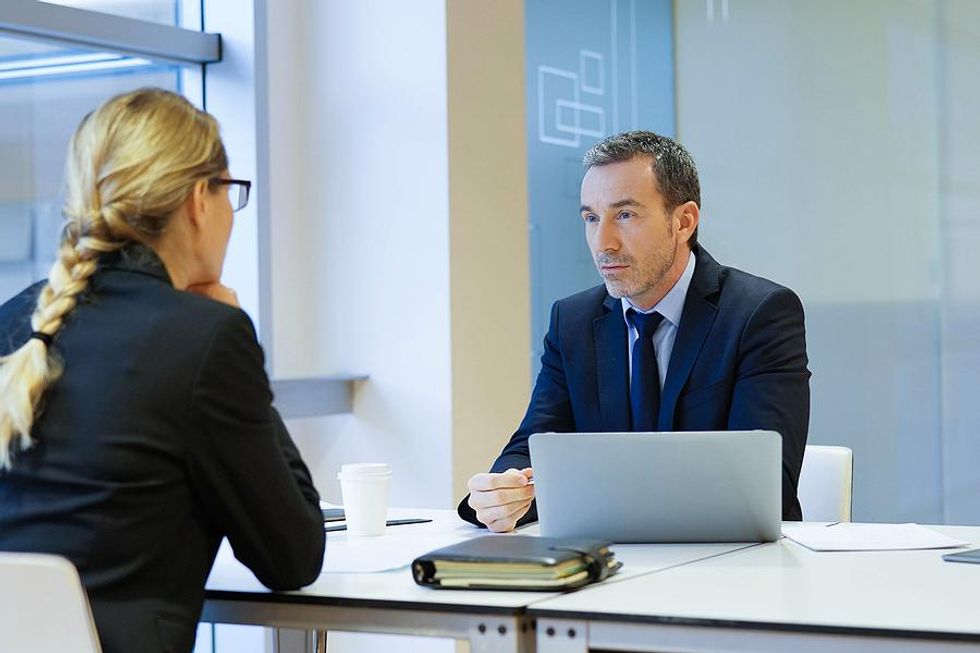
(361, 470)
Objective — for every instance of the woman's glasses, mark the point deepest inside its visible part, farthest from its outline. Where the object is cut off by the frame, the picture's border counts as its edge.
(238, 190)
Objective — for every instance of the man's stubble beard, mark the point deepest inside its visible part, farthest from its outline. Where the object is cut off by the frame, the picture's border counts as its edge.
(640, 280)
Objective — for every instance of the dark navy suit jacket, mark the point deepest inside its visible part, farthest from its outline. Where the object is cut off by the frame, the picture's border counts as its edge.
(739, 362)
(158, 440)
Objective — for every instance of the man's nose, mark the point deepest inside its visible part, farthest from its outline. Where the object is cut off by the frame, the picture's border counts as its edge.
(607, 236)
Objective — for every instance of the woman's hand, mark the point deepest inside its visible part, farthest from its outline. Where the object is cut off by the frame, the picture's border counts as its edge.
(215, 291)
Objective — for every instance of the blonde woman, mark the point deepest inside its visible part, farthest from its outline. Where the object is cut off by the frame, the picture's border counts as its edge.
(136, 425)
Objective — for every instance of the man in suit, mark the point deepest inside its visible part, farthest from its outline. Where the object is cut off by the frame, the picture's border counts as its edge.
(672, 341)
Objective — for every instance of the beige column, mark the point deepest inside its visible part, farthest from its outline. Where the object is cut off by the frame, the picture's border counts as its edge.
(489, 281)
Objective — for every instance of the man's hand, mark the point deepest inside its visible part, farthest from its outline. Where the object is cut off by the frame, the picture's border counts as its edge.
(215, 291)
(501, 499)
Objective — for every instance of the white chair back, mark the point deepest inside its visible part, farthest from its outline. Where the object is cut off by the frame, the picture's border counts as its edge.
(825, 483)
(43, 607)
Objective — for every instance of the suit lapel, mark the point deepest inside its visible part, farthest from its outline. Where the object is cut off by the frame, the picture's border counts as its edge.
(612, 367)
(696, 320)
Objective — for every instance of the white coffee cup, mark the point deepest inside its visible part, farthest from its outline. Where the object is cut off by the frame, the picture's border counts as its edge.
(364, 487)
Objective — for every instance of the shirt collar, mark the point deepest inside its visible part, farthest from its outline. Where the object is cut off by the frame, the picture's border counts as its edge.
(672, 304)
(136, 257)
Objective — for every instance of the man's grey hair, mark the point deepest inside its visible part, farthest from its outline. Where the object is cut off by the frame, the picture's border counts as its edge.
(673, 166)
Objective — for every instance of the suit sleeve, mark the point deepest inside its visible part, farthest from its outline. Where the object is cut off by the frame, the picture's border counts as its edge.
(772, 384)
(550, 409)
(245, 468)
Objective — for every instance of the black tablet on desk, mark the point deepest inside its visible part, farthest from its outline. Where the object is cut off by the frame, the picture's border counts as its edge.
(964, 556)
(332, 514)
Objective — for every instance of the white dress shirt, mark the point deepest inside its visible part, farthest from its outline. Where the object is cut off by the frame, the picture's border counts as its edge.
(671, 307)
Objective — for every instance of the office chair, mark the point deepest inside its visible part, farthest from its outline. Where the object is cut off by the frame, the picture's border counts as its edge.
(825, 483)
(45, 609)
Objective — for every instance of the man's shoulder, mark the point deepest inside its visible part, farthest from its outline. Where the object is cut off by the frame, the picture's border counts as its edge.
(742, 292)
(711, 276)
(742, 282)
(586, 304)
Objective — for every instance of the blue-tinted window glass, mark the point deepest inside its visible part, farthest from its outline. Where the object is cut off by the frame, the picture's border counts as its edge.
(45, 91)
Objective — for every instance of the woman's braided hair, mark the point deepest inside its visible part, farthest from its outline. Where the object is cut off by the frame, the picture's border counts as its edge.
(131, 164)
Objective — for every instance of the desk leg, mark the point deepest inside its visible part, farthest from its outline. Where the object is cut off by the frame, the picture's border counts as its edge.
(485, 635)
(562, 636)
(293, 624)
(287, 640)
(501, 635)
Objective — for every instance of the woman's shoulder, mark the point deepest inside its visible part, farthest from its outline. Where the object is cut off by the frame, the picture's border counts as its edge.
(207, 317)
(226, 321)
(15, 317)
(25, 300)
(155, 310)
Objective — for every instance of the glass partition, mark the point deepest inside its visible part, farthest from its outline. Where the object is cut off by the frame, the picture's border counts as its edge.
(839, 150)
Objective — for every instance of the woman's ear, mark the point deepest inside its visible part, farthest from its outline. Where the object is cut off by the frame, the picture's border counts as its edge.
(197, 203)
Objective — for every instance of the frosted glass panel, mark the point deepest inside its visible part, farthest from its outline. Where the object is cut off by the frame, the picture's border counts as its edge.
(838, 148)
(959, 206)
(594, 68)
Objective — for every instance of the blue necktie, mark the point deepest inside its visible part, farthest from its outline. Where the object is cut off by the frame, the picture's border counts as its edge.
(645, 380)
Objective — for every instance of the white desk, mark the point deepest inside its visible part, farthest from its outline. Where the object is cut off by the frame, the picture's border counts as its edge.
(778, 597)
(391, 602)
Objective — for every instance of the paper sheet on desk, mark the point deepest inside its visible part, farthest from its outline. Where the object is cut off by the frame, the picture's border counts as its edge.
(867, 537)
(397, 548)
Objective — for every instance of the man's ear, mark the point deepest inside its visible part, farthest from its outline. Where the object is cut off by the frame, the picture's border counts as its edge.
(196, 203)
(687, 216)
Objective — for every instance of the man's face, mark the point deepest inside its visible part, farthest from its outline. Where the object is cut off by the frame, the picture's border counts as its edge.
(633, 239)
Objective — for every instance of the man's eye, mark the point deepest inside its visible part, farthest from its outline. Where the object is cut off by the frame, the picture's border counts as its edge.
(625, 215)
(590, 217)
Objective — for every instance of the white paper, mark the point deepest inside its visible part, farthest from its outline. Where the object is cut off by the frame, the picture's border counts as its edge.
(867, 537)
(399, 546)
(372, 554)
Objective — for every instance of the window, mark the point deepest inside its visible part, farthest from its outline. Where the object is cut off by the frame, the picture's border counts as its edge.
(45, 91)
(57, 63)
(165, 12)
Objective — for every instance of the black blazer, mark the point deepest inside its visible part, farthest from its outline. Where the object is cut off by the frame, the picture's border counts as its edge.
(158, 440)
(739, 362)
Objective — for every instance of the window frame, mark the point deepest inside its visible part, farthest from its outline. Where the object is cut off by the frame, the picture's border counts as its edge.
(193, 51)
(88, 29)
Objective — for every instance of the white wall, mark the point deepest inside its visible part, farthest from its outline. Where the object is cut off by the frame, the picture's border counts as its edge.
(399, 231)
(360, 231)
(399, 235)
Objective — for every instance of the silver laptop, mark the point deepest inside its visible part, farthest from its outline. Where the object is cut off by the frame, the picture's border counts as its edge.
(720, 486)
